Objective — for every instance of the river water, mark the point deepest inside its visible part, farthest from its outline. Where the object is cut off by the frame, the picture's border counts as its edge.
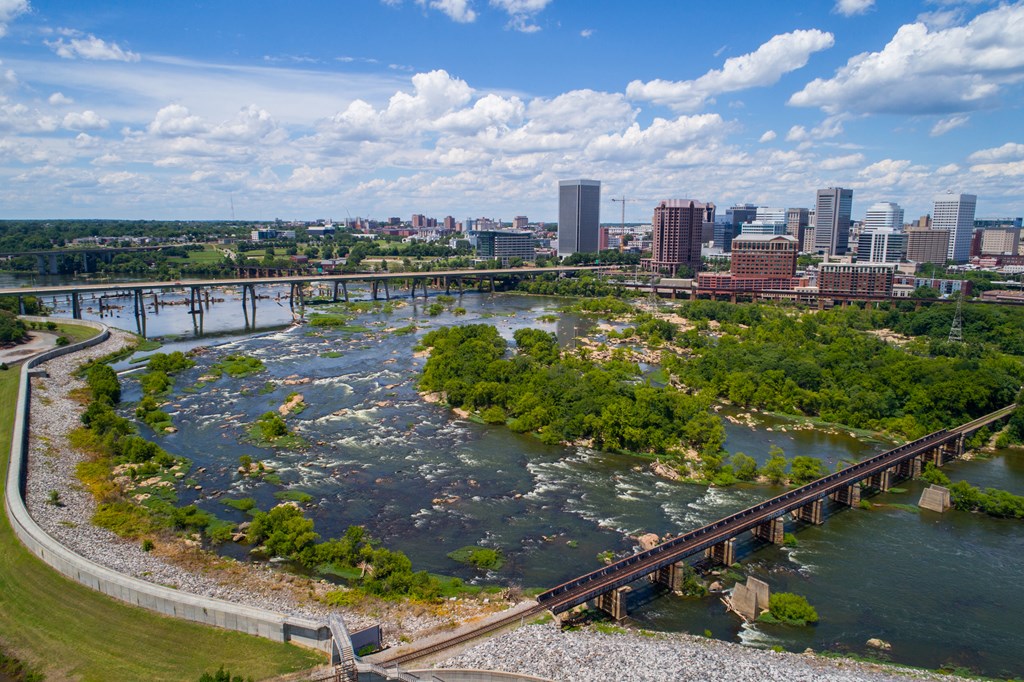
(942, 589)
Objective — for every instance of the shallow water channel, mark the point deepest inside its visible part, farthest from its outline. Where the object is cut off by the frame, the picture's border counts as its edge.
(942, 589)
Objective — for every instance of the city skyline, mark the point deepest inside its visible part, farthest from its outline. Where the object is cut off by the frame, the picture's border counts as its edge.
(400, 107)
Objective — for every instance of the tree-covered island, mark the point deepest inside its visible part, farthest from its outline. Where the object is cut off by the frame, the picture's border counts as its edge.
(888, 371)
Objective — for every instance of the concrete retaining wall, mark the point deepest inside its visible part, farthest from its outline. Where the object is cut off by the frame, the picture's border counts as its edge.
(163, 600)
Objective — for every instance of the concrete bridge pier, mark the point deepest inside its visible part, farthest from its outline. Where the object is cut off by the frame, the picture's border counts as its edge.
(249, 299)
(139, 305)
(447, 286)
(722, 553)
(812, 512)
(773, 531)
(670, 576)
(910, 468)
(21, 305)
(614, 602)
(76, 306)
(850, 496)
(882, 480)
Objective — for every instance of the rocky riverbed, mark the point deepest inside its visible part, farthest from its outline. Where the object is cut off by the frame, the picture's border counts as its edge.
(584, 655)
(175, 562)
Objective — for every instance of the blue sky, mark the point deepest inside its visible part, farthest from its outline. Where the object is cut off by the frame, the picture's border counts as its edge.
(312, 109)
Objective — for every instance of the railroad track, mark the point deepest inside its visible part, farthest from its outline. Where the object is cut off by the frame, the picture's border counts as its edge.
(404, 657)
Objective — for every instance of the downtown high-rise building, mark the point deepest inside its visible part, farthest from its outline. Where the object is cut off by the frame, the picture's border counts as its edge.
(678, 224)
(832, 220)
(884, 215)
(955, 213)
(797, 220)
(579, 216)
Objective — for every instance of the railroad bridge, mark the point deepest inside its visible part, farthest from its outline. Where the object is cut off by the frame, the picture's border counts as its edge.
(717, 540)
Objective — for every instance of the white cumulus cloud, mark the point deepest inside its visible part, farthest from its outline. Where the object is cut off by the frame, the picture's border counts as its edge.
(1011, 151)
(91, 47)
(848, 8)
(922, 70)
(59, 98)
(767, 136)
(457, 10)
(9, 9)
(943, 126)
(764, 66)
(86, 120)
(521, 13)
(175, 120)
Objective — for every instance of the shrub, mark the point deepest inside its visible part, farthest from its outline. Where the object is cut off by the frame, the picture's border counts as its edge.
(271, 426)
(791, 609)
(479, 557)
(147, 545)
(62, 341)
(932, 474)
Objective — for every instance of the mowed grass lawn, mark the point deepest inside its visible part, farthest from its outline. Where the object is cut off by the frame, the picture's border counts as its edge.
(69, 632)
(75, 332)
(209, 254)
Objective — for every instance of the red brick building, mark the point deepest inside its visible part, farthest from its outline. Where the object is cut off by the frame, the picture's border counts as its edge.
(856, 279)
(678, 225)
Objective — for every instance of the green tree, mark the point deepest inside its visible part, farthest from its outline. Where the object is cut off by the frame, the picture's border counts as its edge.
(744, 467)
(775, 468)
(805, 469)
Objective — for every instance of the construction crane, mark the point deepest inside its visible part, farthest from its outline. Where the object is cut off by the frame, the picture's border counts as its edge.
(623, 201)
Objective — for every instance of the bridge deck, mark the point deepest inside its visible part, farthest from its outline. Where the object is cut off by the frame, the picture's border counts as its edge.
(625, 571)
(295, 279)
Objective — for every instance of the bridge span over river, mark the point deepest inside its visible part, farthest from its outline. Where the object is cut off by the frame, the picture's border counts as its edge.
(607, 586)
(337, 285)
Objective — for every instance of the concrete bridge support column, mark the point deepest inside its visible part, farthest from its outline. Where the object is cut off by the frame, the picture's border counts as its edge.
(387, 291)
(849, 496)
(882, 480)
(670, 576)
(53, 264)
(722, 553)
(910, 468)
(21, 305)
(76, 306)
(334, 292)
(373, 290)
(614, 602)
(812, 512)
(773, 531)
(447, 286)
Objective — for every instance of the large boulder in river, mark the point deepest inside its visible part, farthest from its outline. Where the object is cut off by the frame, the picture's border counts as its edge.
(648, 541)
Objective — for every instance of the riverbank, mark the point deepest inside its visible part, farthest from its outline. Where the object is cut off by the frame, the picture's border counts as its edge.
(640, 656)
(177, 562)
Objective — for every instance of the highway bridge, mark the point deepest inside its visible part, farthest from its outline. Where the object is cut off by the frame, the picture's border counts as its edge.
(379, 283)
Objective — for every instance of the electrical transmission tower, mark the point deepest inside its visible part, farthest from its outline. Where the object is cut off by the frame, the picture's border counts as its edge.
(956, 331)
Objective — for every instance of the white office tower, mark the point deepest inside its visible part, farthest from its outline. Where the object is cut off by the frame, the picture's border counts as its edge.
(955, 213)
(884, 245)
(768, 214)
(885, 215)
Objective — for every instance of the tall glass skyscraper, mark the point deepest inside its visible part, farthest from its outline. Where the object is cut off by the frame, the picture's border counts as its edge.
(579, 216)
(832, 215)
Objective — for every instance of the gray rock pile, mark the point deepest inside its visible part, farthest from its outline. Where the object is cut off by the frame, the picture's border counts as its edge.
(585, 655)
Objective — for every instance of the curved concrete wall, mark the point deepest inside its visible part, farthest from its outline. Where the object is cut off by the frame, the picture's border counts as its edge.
(135, 591)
